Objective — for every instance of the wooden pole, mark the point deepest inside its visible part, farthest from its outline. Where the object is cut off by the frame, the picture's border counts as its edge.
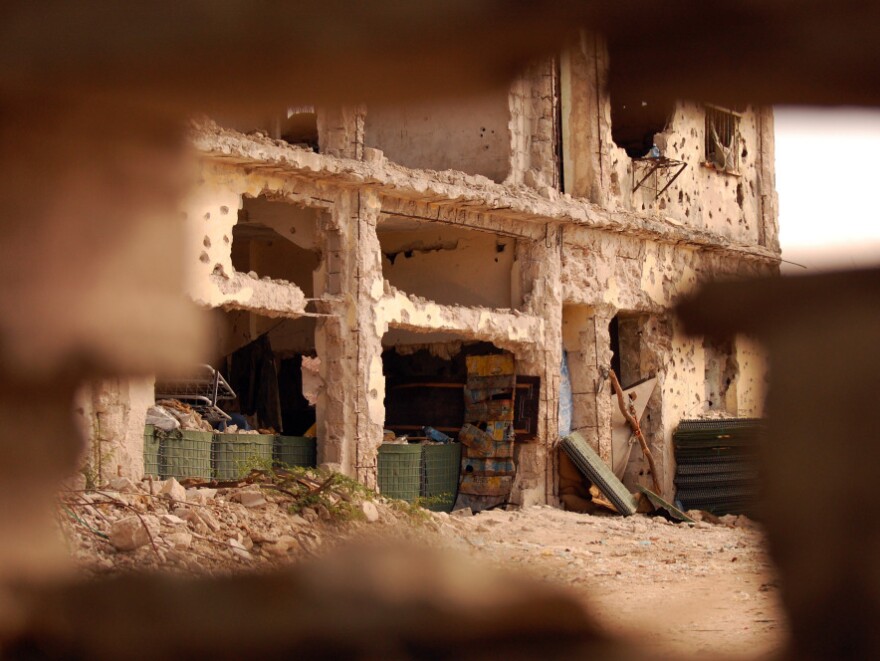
(629, 414)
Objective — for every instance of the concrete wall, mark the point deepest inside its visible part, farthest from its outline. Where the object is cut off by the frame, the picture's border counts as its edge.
(738, 206)
(470, 134)
(449, 265)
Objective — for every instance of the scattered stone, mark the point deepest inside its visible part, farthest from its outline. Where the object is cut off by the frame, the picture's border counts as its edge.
(173, 520)
(371, 512)
(209, 520)
(130, 532)
(239, 549)
(123, 485)
(173, 490)
(463, 512)
(323, 512)
(180, 540)
(309, 514)
(252, 499)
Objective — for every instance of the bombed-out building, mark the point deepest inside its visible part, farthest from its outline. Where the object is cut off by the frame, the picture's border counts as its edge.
(364, 253)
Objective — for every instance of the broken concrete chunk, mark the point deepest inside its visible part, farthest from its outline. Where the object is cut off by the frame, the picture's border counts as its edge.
(123, 485)
(173, 520)
(252, 499)
(174, 490)
(239, 549)
(180, 540)
(209, 520)
(370, 511)
(132, 532)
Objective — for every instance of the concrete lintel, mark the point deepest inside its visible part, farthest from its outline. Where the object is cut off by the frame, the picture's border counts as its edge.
(412, 313)
(270, 298)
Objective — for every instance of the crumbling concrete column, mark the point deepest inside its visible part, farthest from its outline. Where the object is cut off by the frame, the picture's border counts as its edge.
(586, 118)
(350, 408)
(533, 147)
(341, 131)
(113, 413)
(768, 223)
(540, 268)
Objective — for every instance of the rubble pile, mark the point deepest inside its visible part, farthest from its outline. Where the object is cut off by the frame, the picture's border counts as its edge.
(266, 519)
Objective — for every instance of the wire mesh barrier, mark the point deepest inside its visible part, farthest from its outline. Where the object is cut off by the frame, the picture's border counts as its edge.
(296, 451)
(440, 469)
(178, 454)
(236, 454)
(400, 471)
(151, 451)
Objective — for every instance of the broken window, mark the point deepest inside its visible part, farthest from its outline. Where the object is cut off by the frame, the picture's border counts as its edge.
(636, 117)
(276, 239)
(722, 139)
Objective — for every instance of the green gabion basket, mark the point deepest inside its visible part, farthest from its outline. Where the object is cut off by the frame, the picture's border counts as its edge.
(441, 465)
(400, 471)
(151, 451)
(296, 451)
(184, 453)
(236, 454)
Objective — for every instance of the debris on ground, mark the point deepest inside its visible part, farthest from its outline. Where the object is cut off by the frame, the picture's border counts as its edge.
(268, 517)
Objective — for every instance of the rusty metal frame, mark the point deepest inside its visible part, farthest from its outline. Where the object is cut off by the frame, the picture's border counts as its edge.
(655, 165)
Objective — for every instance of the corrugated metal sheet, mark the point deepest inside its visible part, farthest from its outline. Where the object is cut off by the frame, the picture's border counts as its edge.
(598, 472)
(716, 468)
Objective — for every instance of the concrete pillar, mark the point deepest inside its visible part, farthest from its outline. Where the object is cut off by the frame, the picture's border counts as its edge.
(350, 408)
(113, 413)
(540, 264)
(341, 131)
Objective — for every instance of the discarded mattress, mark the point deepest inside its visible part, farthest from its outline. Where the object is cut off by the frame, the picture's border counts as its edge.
(598, 472)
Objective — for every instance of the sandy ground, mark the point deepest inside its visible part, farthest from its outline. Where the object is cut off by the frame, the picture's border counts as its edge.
(686, 589)
(693, 589)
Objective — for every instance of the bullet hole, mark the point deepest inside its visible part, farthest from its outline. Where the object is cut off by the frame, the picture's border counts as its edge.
(204, 258)
(206, 241)
(224, 210)
(680, 196)
(687, 212)
(373, 393)
(208, 216)
(745, 153)
(218, 270)
(293, 230)
(408, 254)
(226, 239)
(740, 195)
(499, 247)
(683, 140)
(710, 215)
